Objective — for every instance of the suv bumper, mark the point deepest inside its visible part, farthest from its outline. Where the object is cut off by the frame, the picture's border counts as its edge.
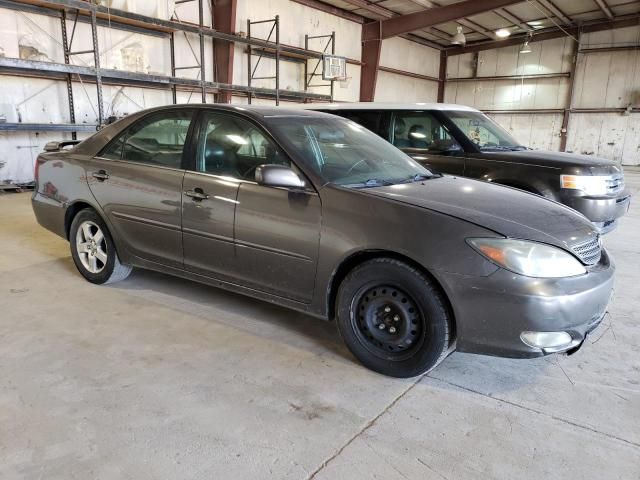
(603, 211)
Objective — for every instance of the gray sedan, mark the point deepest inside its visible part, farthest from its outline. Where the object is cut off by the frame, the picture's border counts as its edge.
(316, 213)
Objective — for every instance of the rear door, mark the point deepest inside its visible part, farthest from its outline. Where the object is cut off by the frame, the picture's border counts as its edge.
(423, 137)
(137, 180)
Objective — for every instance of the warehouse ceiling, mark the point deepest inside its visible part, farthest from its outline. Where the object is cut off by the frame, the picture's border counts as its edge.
(519, 18)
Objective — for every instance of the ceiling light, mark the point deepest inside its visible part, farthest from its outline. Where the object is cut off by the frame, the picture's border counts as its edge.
(502, 33)
(525, 47)
(459, 38)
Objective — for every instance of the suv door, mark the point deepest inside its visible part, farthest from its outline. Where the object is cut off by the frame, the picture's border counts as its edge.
(423, 137)
(137, 180)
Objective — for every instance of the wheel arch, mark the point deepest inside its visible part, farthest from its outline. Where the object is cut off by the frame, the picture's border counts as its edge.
(358, 258)
(74, 208)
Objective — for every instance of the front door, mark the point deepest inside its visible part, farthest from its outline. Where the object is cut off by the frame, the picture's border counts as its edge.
(424, 138)
(234, 229)
(210, 198)
(137, 180)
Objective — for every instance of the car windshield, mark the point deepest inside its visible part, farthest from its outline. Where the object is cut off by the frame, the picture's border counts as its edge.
(484, 132)
(345, 153)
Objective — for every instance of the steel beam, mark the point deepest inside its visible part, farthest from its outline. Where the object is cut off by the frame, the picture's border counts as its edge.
(442, 76)
(17, 66)
(369, 72)
(534, 76)
(564, 130)
(434, 16)
(48, 127)
(224, 20)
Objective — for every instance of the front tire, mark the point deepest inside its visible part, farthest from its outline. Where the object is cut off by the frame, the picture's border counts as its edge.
(93, 250)
(393, 318)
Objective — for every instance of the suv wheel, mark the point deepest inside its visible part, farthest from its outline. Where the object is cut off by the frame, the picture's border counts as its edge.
(393, 319)
(93, 250)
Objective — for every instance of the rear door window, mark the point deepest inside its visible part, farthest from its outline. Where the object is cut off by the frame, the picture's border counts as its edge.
(155, 140)
(371, 120)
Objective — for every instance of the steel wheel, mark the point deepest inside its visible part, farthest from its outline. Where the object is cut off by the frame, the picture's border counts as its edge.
(387, 321)
(91, 246)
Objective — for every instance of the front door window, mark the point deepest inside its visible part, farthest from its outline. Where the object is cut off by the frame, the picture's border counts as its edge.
(421, 131)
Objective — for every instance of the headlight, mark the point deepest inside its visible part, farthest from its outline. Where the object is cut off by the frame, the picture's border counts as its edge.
(528, 258)
(589, 184)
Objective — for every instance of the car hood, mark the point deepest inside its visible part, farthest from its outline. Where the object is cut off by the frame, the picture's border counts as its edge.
(587, 164)
(507, 211)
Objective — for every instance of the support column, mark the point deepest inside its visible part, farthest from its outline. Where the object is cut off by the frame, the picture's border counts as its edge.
(370, 63)
(564, 130)
(224, 20)
(442, 75)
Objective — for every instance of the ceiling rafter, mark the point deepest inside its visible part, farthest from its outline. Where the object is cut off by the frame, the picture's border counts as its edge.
(394, 26)
(550, 7)
(549, 33)
(465, 22)
(605, 8)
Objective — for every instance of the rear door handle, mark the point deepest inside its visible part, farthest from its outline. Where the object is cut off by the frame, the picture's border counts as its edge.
(196, 194)
(100, 175)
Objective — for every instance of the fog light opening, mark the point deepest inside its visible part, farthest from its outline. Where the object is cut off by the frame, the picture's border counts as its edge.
(546, 340)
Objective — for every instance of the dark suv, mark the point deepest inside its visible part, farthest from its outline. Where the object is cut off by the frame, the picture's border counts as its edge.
(459, 140)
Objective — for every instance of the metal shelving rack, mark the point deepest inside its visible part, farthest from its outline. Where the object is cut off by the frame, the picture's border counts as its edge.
(330, 46)
(275, 29)
(98, 15)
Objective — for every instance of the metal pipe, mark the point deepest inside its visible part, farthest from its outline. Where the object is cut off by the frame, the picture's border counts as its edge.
(277, 26)
(249, 53)
(202, 62)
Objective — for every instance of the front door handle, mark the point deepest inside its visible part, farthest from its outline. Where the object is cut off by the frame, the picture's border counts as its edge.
(100, 175)
(196, 194)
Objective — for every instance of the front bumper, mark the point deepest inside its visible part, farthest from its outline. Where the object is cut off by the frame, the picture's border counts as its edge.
(603, 211)
(492, 312)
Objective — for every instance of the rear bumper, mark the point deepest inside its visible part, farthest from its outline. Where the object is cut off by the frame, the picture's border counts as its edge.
(602, 211)
(49, 213)
(492, 312)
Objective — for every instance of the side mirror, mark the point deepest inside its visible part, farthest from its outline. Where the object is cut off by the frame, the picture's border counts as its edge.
(278, 176)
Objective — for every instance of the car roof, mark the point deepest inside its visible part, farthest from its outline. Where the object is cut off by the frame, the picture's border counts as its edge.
(258, 111)
(388, 106)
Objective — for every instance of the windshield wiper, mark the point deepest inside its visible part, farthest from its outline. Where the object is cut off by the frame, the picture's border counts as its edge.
(372, 182)
(419, 177)
(503, 148)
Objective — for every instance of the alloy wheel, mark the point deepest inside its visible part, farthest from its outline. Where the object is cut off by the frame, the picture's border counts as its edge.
(91, 247)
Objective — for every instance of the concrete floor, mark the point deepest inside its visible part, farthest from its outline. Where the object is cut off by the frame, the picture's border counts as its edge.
(161, 378)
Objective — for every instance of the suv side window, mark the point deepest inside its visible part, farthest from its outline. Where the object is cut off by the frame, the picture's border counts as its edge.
(370, 120)
(421, 131)
(155, 140)
(232, 146)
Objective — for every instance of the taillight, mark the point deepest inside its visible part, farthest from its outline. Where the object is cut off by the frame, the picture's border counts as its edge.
(36, 170)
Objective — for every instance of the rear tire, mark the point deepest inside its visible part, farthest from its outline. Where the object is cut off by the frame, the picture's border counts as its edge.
(93, 250)
(393, 318)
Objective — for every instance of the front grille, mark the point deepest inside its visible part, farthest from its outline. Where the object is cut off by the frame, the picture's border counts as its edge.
(615, 183)
(589, 251)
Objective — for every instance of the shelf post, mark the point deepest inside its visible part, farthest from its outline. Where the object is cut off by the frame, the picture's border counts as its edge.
(66, 47)
(96, 61)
